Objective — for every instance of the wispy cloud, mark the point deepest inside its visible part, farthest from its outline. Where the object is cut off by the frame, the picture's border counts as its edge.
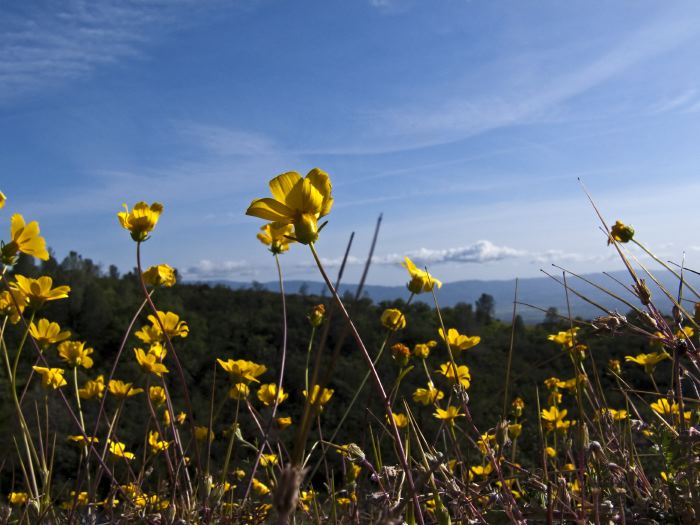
(206, 270)
(682, 101)
(226, 142)
(42, 46)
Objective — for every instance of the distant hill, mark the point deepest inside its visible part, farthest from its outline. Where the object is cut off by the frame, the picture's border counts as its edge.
(542, 292)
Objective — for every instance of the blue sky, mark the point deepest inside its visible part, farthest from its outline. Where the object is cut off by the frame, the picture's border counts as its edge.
(466, 123)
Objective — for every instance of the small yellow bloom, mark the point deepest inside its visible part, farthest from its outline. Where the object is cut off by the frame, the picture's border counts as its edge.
(201, 433)
(268, 460)
(12, 304)
(277, 236)
(422, 350)
(149, 334)
(171, 323)
(118, 450)
(2, 200)
(297, 201)
(243, 370)
(456, 374)
(157, 395)
(458, 341)
(567, 338)
(51, 377)
(47, 333)
(480, 470)
(621, 232)
(615, 366)
(553, 418)
(515, 429)
(260, 488)
(551, 452)
(239, 391)
(149, 363)
(161, 275)
(141, 220)
(449, 414)
(427, 396)
(323, 399)
(421, 281)
(283, 422)
(615, 415)
(93, 388)
(75, 354)
(317, 315)
(122, 390)
(648, 361)
(157, 445)
(39, 291)
(393, 319)
(18, 498)
(268, 393)
(401, 353)
(401, 420)
(25, 239)
(81, 440)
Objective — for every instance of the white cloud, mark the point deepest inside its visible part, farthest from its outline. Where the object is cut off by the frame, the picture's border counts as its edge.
(208, 270)
(684, 100)
(227, 142)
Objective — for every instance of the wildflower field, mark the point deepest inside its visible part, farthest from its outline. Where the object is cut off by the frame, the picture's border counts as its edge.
(141, 399)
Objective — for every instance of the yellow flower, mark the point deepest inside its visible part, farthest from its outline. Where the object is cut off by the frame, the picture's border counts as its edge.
(458, 341)
(515, 429)
(201, 433)
(141, 220)
(81, 440)
(75, 354)
(268, 393)
(157, 395)
(427, 396)
(149, 363)
(297, 201)
(401, 353)
(51, 377)
(161, 275)
(422, 350)
(239, 391)
(93, 388)
(648, 361)
(401, 420)
(260, 488)
(452, 374)
(122, 390)
(283, 422)
(18, 498)
(621, 232)
(171, 323)
(480, 470)
(518, 404)
(156, 444)
(449, 414)
(268, 460)
(421, 281)
(323, 399)
(553, 418)
(393, 319)
(566, 338)
(317, 315)
(552, 383)
(277, 236)
(615, 415)
(149, 334)
(10, 301)
(2, 200)
(244, 370)
(685, 332)
(39, 291)
(551, 452)
(118, 450)
(46, 333)
(614, 366)
(25, 239)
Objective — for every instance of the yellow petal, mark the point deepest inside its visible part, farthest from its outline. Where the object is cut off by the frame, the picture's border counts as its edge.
(281, 185)
(305, 197)
(16, 225)
(271, 210)
(320, 180)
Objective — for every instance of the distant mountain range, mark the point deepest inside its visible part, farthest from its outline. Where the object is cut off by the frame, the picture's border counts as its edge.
(541, 292)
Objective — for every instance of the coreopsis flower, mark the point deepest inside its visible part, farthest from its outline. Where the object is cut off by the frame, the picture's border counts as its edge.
(12, 304)
(149, 334)
(47, 333)
(422, 350)
(25, 239)
(621, 232)
(2, 200)
(615, 366)
(458, 341)
(161, 275)
(401, 420)
(118, 450)
(566, 339)
(393, 319)
(277, 236)
(664, 408)
(298, 201)
(571, 384)
(122, 390)
(39, 291)
(157, 395)
(421, 281)
(149, 363)
(480, 471)
(427, 396)
(317, 315)
(157, 445)
(202, 433)
(401, 353)
(321, 400)
(239, 391)
(648, 361)
(454, 374)
(93, 388)
(82, 440)
(283, 422)
(615, 415)
(51, 377)
(141, 220)
(268, 460)
(75, 354)
(17, 498)
(243, 370)
(449, 414)
(553, 418)
(172, 325)
(552, 383)
(685, 332)
(81, 499)
(551, 452)
(260, 488)
(268, 393)
(518, 404)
